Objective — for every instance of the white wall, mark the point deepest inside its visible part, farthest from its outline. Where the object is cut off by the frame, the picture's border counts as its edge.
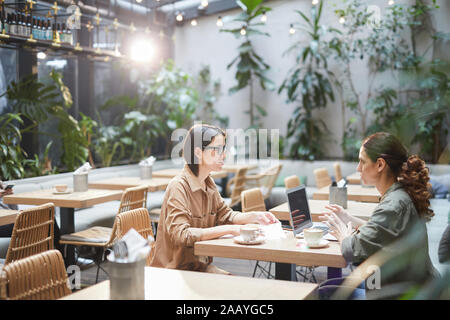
(204, 44)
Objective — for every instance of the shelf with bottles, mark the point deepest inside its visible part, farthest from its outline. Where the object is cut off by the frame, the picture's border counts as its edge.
(27, 27)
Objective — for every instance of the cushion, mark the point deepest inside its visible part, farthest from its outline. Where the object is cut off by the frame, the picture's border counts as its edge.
(444, 246)
(438, 190)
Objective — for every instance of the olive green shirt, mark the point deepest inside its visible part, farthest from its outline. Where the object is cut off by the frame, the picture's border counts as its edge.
(393, 219)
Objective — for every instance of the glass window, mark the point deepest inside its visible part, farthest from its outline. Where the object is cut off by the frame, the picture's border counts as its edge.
(7, 73)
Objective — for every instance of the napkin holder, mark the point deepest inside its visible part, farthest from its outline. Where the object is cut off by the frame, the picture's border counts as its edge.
(338, 195)
(80, 182)
(145, 172)
(126, 279)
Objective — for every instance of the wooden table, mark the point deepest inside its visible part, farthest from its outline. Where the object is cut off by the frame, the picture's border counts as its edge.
(233, 168)
(67, 203)
(7, 216)
(169, 284)
(354, 192)
(122, 183)
(362, 210)
(354, 178)
(172, 172)
(284, 252)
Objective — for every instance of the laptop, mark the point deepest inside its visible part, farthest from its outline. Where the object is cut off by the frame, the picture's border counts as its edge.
(298, 205)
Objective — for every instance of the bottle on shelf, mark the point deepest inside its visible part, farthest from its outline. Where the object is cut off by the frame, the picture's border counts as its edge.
(48, 33)
(29, 26)
(7, 23)
(34, 30)
(40, 29)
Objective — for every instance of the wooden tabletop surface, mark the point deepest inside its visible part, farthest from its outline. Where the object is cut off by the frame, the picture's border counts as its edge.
(288, 250)
(354, 193)
(362, 210)
(169, 284)
(69, 200)
(172, 172)
(7, 216)
(232, 168)
(121, 183)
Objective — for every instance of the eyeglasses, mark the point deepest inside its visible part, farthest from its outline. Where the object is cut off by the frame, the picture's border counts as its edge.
(219, 149)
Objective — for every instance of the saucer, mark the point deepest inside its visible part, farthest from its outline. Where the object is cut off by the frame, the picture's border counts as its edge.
(321, 244)
(240, 240)
(62, 192)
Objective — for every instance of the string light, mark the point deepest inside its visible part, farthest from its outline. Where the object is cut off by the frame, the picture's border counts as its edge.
(391, 2)
(341, 20)
(41, 55)
(179, 17)
(314, 2)
(291, 29)
(264, 17)
(204, 3)
(243, 30)
(219, 22)
(138, 1)
(194, 22)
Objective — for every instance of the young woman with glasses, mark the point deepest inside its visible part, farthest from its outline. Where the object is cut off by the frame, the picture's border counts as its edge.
(193, 209)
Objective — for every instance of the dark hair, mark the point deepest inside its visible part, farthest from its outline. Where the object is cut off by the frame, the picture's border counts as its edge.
(200, 136)
(410, 171)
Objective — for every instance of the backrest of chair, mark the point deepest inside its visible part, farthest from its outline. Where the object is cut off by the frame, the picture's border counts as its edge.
(139, 220)
(337, 171)
(133, 198)
(322, 177)
(33, 232)
(291, 182)
(239, 186)
(269, 179)
(252, 200)
(39, 277)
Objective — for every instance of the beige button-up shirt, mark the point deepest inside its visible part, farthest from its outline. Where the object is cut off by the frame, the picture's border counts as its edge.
(186, 210)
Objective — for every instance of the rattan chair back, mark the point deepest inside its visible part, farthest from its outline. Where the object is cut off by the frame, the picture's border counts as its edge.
(33, 232)
(337, 171)
(322, 178)
(133, 198)
(39, 277)
(252, 200)
(238, 182)
(291, 182)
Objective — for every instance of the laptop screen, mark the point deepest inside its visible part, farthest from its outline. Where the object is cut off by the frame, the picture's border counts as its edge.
(298, 207)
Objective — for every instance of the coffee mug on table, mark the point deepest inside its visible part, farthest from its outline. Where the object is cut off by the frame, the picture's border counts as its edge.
(312, 236)
(60, 187)
(250, 232)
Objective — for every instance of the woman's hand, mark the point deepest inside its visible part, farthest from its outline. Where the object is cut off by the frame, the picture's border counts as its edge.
(339, 229)
(263, 217)
(338, 211)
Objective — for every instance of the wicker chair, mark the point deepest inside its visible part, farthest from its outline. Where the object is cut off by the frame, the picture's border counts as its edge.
(39, 277)
(291, 182)
(101, 238)
(238, 183)
(322, 177)
(33, 232)
(253, 200)
(337, 171)
(265, 181)
(139, 220)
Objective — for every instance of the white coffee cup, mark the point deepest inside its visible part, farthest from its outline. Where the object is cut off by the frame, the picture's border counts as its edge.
(312, 236)
(250, 232)
(60, 187)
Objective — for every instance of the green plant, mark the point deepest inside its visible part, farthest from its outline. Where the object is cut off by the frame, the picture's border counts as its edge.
(107, 142)
(250, 66)
(11, 154)
(37, 167)
(309, 85)
(209, 93)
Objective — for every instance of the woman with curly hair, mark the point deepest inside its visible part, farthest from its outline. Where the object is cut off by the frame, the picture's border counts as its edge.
(404, 207)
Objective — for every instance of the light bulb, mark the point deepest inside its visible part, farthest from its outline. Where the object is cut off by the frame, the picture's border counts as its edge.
(41, 55)
(391, 2)
(204, 3)
(341, 20)
(243, 31)
(138, 1)
(264, 17)
(179, 17)
(291, 29)
(194, 22)
(142, 51)
(219, 22)
(314, 2)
